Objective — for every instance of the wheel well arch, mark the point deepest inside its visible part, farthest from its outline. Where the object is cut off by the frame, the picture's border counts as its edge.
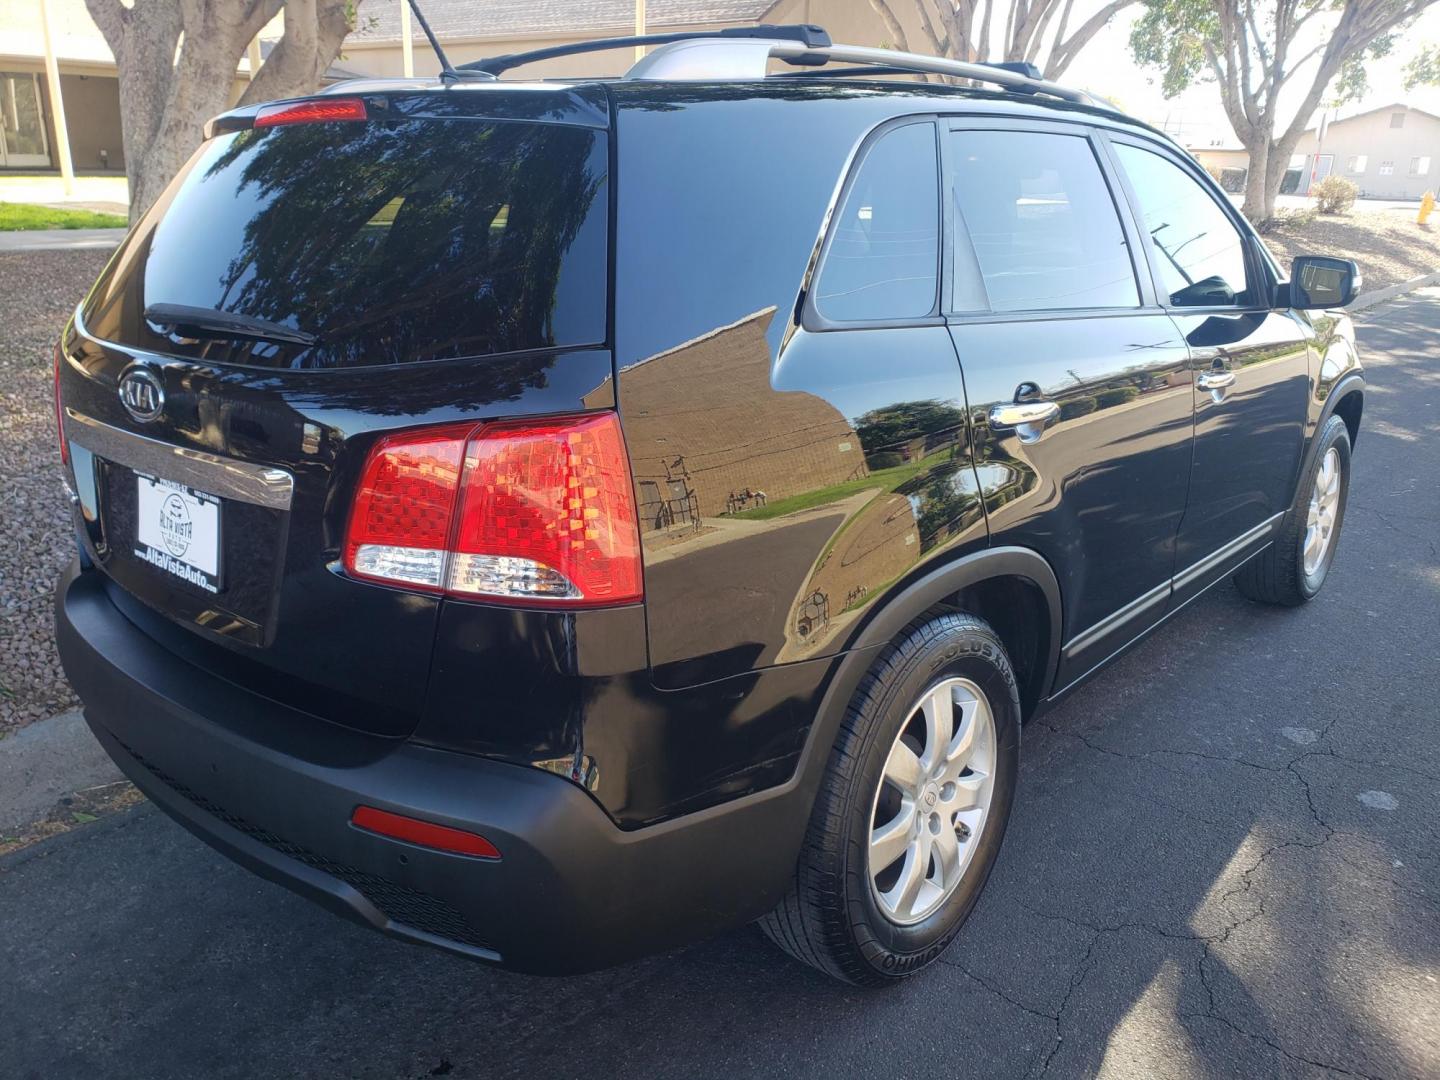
(1014, 589)
(1349, 407)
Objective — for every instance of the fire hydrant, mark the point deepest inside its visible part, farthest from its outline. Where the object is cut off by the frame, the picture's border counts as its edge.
(1427, 203)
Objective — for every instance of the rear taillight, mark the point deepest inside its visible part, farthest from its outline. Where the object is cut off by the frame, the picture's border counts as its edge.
(537, 511)
(310, 112)
(60, 412)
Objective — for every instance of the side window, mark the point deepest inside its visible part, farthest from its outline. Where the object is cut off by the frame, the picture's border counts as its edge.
(1200, 255)
(1041, 223)
(884, 256)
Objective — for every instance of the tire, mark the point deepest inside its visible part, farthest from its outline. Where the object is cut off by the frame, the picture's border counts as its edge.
(835, 917)
(1279, 574)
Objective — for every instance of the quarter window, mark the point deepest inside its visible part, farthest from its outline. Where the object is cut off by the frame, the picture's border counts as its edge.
(1199, 254)
(884, 255)
(1041, 222)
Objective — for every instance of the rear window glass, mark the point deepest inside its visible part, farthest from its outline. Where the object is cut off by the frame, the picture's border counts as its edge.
(385, 242)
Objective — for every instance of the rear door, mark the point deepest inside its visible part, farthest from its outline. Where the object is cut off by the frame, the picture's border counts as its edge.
(296, 293)
(1080, 400)
(1249, 364)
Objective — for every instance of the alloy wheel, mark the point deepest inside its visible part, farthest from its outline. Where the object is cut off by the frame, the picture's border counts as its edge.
(932, 801)
(1324, 508)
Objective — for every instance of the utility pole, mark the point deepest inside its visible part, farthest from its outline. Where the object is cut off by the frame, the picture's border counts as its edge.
(639, 28)
(407, 41)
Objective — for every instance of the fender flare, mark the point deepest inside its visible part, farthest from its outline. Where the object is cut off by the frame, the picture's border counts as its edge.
(1348, 384)
(895, 613)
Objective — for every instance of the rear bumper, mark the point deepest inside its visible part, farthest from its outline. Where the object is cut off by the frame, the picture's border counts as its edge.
(274, 789)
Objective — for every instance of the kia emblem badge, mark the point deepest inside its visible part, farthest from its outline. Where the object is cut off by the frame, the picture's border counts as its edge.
(142, 394)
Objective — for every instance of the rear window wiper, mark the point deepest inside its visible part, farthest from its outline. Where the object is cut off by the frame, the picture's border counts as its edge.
(210, 322)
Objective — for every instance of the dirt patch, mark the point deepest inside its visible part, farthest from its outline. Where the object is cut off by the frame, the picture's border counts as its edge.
(1388, 244)
(73, 812)
(38, 290)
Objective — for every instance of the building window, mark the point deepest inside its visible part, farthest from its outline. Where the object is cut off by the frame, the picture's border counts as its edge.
(1387, 168)
(1397, 119)
(1356, 164)
(1419, 166)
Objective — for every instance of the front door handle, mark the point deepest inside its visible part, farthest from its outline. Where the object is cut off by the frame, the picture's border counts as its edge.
(1215, 380)
(1027, 418)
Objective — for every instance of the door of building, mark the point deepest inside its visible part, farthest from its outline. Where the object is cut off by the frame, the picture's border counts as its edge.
(23, 142)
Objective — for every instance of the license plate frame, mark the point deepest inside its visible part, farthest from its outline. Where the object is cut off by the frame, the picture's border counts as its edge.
(178, 531)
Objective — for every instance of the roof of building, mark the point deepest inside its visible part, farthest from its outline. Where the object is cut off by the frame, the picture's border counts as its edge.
(454, 20)
(1399, 106)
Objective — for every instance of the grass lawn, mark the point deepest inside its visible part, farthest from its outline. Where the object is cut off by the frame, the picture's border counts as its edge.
(882, 478)
(15, 217)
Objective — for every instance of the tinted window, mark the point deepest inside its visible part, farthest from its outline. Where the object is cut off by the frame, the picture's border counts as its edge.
(1042, 224)
(884, 253)
(391, 242)
(1199, 254)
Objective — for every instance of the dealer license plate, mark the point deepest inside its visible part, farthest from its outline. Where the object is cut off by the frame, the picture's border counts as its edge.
(178, 531)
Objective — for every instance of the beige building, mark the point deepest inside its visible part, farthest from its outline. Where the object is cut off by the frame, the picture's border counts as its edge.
(1391, 152)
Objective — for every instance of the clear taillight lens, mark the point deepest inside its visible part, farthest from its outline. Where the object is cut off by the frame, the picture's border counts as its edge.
(533, 511)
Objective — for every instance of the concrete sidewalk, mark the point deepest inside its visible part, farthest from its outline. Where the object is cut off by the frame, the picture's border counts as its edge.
(60, 239)
(43, 763)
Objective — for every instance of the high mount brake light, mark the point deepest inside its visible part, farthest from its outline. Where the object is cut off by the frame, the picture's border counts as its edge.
(310, 112)
(537, 512)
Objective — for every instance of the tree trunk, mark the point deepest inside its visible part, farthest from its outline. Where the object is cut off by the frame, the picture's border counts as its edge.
(1259, 204)
(177, 60)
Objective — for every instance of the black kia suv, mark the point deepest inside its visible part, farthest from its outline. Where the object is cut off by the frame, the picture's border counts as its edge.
(557, 521)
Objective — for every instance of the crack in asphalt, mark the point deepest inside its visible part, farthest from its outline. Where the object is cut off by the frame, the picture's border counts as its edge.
(1207, 942)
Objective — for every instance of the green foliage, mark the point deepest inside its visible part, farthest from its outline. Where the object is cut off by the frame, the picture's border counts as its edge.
(1171, 35)
(1423, 68)
(895, 425)
(1334, 195)
(19, 217)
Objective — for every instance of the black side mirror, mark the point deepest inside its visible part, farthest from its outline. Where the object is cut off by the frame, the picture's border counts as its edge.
(1318, 281)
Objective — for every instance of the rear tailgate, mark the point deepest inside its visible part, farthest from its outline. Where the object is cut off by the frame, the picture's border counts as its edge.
(347, 279)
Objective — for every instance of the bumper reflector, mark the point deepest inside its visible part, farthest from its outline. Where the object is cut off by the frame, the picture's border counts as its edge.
(424, 833)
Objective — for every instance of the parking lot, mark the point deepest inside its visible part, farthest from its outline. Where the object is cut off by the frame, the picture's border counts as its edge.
(1225, 861)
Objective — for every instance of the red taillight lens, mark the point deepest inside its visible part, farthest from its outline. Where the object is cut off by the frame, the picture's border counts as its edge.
(60, 412)
(310, 112)
(424, 833)
(541, 511)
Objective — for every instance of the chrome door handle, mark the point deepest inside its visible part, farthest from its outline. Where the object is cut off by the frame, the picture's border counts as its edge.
(1026, 418)
(1215, 380)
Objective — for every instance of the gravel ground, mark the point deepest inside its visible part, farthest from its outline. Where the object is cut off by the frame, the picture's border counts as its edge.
(1388, 244)
(37, 292)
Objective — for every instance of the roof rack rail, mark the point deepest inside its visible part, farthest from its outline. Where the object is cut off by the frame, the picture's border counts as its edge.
(697, 58)
(799, 33)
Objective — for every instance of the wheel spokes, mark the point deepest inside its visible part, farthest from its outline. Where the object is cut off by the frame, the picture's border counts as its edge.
(939, 710)
(902, 768)
(889, 842)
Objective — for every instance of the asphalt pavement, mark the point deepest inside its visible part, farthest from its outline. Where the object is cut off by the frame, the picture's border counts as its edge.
(1224, 861)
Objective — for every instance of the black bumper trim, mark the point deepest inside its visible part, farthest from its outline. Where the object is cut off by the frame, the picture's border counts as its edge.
(274, 789)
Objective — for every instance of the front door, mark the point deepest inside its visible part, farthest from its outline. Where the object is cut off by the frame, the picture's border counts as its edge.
(22, 122)
(1323, 164)
(1250, 365)
(1077, 381)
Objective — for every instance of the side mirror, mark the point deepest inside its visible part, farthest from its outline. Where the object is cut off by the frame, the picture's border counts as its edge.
(1318, 281)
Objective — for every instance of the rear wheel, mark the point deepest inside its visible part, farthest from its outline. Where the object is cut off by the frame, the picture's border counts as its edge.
(1293, 569)
(913, 807)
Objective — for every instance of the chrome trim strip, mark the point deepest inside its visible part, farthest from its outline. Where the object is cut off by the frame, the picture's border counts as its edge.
(1108, 625)
(1187, 577)
(260, 485)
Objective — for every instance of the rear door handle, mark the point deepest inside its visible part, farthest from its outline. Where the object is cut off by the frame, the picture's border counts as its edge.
(1026, 418)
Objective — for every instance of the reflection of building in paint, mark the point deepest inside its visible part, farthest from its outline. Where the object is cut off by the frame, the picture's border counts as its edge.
(705, 429)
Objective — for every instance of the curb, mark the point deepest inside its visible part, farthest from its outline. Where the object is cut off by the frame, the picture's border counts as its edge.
(60, 240)
(42, 763)
(1379, 296)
